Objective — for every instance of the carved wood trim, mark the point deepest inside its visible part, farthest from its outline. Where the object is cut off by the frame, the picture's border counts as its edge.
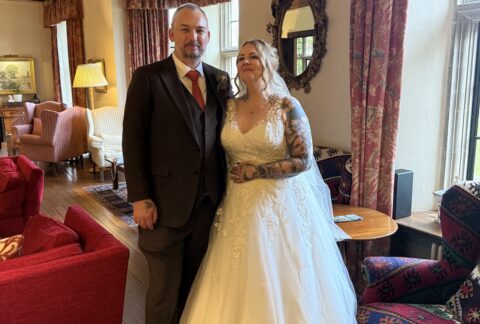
(279, 8)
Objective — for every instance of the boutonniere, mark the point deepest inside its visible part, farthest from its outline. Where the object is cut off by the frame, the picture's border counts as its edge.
(222, 82)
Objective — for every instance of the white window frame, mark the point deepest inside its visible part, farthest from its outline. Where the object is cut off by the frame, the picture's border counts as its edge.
(461, 79)
(227, 51)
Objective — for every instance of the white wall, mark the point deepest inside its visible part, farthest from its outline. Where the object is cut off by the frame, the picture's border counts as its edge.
(423, 90)
(99, 43)
(424, 94)
(327, 105)
(121, 50)
(22, 33)
(212, 56)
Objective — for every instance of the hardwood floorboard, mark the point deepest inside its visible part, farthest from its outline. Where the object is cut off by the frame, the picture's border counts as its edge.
(66, 189)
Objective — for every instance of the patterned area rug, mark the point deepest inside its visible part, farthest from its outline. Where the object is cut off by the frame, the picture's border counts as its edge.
(114, 200)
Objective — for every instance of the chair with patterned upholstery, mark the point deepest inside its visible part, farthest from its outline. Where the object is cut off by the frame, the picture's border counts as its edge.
(335, 165)
(33, 122)
(411, 290)
(105, 127)
(62, 136)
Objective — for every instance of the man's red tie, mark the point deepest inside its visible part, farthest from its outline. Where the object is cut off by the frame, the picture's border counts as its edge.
(196, 92)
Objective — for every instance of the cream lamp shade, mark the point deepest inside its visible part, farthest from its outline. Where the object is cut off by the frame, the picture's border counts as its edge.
(89, 76)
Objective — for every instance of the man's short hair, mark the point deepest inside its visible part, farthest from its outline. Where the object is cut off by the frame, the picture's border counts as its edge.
(190, 6)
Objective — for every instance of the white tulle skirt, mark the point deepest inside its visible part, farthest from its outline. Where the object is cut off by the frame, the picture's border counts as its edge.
(272, 259)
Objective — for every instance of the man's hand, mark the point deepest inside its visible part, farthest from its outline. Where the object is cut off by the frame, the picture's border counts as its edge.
(145, 213)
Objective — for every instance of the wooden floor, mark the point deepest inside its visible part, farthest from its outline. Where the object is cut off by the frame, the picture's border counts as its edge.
(66, 189)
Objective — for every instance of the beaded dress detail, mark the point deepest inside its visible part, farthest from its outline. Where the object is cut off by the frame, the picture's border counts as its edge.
(272, 259)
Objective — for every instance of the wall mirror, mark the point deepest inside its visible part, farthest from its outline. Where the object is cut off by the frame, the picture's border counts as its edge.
(299, 34)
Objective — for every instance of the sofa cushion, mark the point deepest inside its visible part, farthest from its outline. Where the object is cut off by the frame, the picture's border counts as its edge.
(10, 247)
(12, 185)
(42, 257)
(37, 126)
(43, 233)
(465, 303)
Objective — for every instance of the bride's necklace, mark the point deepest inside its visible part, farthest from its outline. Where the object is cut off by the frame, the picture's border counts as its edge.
(260, 108)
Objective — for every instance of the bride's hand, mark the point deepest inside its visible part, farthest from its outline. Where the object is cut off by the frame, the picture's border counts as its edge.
(244, 171)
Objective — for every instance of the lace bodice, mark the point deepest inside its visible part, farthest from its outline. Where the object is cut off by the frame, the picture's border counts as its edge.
(264, 142)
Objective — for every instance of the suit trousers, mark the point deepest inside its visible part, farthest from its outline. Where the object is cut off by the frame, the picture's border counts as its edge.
(174, 256)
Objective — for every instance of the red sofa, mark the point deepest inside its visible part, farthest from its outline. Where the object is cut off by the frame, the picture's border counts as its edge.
(79, 281)
(21, 192)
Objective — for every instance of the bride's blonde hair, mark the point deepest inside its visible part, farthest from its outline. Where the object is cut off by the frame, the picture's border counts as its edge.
(269, 60)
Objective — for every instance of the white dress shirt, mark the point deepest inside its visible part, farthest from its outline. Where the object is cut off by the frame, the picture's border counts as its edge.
(182, 71)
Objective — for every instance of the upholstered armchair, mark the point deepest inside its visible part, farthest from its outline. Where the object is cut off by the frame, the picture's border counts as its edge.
(71, 272)
(105, 127)
(32, 115)
(335, 165)
(410, 290)
(62, 136)
(21, 192)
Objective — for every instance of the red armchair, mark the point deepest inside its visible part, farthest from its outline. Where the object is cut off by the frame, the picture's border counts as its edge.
(21, 192)
(62, 134)
(87, 285)
(32, 111)
(408, 290)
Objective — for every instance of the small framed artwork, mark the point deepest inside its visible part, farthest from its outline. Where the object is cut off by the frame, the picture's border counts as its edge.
(101, 64)
(17, 75)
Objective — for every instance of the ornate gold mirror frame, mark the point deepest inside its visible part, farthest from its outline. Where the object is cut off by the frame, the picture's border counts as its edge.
(279, 10)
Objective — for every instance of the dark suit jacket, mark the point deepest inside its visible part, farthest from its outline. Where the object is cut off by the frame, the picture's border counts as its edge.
(160, 145)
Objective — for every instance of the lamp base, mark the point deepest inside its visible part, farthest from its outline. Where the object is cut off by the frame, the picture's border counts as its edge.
(90, 101)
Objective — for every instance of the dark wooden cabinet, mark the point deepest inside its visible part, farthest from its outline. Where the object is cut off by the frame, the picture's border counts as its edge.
(11, 115)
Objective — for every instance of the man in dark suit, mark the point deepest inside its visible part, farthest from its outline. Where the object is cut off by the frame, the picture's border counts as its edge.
(174, 164)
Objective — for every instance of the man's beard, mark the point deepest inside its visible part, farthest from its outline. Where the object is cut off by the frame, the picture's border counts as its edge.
(192, 53)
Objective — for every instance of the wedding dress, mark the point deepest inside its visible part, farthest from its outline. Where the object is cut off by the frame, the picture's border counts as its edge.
(272, 256)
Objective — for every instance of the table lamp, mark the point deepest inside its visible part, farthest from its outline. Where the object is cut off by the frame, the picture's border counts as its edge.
(89, 76)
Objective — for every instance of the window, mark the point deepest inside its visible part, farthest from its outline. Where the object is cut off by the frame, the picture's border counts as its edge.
(224, 27)
(462, 147)
(63, 64)
(473, 162)
(229, 37)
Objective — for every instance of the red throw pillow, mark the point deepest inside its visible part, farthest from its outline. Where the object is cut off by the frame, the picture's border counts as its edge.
(37, 126)
(43, 233)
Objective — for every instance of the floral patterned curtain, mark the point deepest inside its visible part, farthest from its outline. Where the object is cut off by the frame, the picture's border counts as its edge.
(148, 28)
(76, 56)
(56, 11)
(71, 11)
(167, 4)
(376, 60)
(57, 93)
(148, 36)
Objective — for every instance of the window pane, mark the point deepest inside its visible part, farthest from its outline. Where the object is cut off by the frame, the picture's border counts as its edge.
(299, 66)
(63, 64)
(299, 47)
(229, 22)
(309, 46)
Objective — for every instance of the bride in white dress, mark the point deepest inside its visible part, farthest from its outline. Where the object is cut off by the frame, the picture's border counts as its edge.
(272, 256)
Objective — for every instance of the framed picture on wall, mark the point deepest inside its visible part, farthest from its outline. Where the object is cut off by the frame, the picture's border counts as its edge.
(17, 75)
(101, 65)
